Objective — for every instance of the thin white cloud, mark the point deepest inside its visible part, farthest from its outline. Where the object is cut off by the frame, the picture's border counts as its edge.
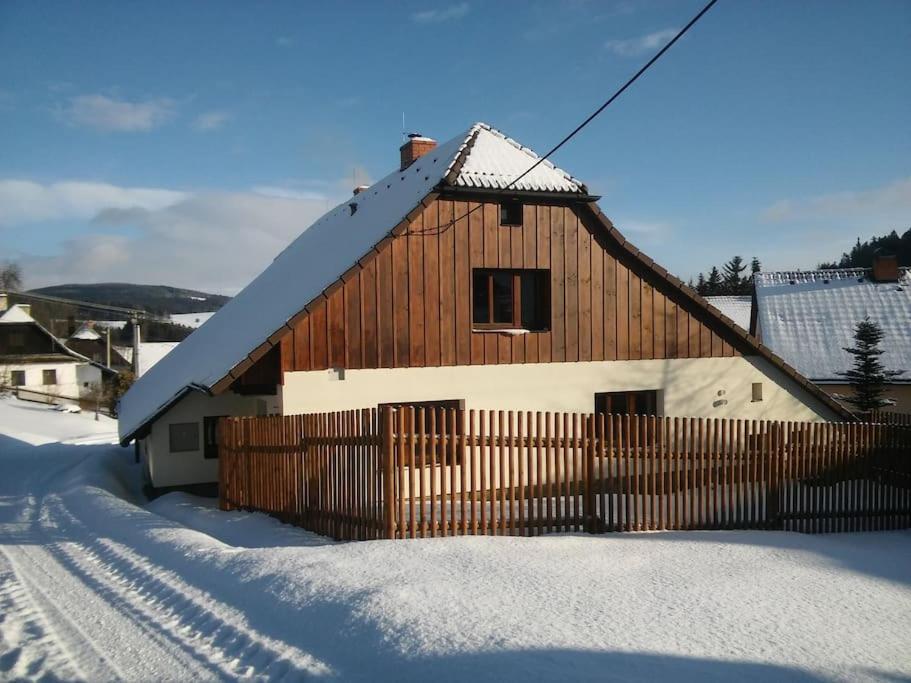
(215, 241)
(284, 41)
(25, 201)
(108, 114)
(211, 120)
(441, 14)
(633, 47)
(889, 203)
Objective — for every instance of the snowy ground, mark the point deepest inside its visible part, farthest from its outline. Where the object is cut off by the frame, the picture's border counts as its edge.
(97, 585)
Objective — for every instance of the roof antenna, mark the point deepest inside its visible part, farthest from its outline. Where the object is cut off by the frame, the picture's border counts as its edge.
(404, 139)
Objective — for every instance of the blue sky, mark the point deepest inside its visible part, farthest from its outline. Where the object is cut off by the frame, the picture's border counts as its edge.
(186, 143)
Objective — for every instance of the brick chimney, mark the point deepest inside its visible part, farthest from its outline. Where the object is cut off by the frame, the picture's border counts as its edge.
(361, 188)
(885, 268)
(417, 146)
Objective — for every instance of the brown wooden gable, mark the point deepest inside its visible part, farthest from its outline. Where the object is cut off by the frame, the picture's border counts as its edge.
(410, 305)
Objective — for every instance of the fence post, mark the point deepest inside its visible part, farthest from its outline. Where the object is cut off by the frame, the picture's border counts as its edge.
(588, 497)
(389, 471)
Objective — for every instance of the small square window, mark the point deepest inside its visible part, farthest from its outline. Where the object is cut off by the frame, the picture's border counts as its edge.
(757, 392)
(183, 436)
(48, 377)
(511, 213)
(17, 377)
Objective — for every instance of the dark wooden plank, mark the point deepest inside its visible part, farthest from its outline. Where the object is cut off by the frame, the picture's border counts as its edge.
(611, 303)
(635, 317)
(571, 277)
(319, 347)
(416, 310)
(623, 312)
(596, 258)
(430, 242)
(586, 292)
(368, 315)
(385, 319)
(336, 321)
(401, 302)
(557, 285)
(447, 287)
(302, 360)
(476, 258)
(660, 318)
(462, 266)
(647, 341)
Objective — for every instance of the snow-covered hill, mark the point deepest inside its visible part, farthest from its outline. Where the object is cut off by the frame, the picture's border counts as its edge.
(95, 584)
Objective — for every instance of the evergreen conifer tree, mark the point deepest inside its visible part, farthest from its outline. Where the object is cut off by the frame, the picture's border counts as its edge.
(713, 284)
(868, 377)
(733, 280)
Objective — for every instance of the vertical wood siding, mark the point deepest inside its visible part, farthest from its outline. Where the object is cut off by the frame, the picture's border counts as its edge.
(410, 305)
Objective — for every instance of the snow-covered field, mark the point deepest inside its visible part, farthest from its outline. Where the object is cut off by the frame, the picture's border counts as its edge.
(96, 584)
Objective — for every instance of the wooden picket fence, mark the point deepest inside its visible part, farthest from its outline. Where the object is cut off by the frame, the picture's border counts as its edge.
(322, 472)
(416, 472)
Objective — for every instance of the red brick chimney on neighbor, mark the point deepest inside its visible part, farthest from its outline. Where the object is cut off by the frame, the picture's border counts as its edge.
(885, 268)
(417, 146)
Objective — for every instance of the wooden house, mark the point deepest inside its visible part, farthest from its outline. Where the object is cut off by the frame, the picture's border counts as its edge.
(448, 282)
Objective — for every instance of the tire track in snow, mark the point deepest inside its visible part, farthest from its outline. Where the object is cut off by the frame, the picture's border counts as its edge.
(28, 648)
(179, 612)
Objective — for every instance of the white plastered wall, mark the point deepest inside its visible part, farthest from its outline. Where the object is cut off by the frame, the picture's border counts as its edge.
(708, 387)
(165, 468)
(71, 378)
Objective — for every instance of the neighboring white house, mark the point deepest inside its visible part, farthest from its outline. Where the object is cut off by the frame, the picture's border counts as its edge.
(737, 308)
(809, 317)
(38, 366)
(465, 277)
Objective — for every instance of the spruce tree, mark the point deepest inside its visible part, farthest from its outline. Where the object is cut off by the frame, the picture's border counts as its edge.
(733, 281)
(755, 266)
(868, 377)
(700, 285)
(713, 284)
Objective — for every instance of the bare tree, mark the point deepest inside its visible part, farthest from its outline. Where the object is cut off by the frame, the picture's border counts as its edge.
(10, 277)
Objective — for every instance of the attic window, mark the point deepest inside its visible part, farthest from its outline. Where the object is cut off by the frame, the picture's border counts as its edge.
(511, 299)
(511, 213)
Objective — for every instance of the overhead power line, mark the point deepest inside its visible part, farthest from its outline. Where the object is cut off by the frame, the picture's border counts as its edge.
(610, 100)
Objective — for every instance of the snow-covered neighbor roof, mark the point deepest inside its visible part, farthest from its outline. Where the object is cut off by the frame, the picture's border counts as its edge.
(737, 308)
(86, 332)
(808, 318)
(480, 157)
(16, 314)
(151, 353)
(193, 320)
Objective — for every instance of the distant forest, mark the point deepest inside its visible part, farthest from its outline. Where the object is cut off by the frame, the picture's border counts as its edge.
(861, 254)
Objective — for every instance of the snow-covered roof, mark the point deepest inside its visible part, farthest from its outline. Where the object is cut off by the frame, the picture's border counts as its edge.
(808, 318)
(737, 308)
(86, 332)
(151, 353)
(16, 314)
(480, 157)
(495, 161)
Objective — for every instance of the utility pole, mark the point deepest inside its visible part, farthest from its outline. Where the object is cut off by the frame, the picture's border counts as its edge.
(108, 329)
(136, 333)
